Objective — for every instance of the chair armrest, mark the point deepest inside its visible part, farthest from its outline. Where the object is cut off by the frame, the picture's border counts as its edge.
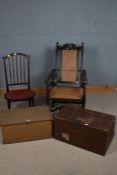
(84, 80)
(51, 78)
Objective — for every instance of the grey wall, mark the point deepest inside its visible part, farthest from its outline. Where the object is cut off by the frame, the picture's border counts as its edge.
(34, 26)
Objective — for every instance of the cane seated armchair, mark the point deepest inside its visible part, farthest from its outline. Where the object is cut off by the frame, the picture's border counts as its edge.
(67, 82)
(17, 76)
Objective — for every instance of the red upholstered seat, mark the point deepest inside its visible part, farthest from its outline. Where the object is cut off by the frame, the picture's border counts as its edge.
(18, 95)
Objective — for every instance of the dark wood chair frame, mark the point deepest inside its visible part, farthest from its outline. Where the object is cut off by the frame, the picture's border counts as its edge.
(53, 80)
(17, 75)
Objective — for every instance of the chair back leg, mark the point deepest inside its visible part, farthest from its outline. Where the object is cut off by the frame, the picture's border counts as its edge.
(33, 102)
(83, 105)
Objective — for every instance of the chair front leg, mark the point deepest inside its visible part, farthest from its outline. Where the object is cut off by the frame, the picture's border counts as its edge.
(8, 104)
(30, 102)
(84, 97)
(52, 105)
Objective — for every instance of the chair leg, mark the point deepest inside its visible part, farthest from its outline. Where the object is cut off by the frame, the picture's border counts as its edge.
(8, 104)
(47, 95)
(29, 102)
(33, 102)
(84, 102)
(83, 105)
(84, 98)
(47, 102)
(52, 106)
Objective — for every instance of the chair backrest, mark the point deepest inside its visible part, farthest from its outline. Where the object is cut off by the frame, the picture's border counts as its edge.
(71, 61)
(17, 70)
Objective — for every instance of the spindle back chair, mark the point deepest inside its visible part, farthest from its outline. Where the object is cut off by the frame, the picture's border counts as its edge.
(17, 76)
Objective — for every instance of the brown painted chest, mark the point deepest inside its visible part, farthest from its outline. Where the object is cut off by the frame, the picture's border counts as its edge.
(86, 129)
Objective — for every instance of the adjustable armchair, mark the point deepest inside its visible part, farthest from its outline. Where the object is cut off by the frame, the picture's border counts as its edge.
(67, 82)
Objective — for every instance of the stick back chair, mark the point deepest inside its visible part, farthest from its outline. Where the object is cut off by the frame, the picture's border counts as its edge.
(17, 76)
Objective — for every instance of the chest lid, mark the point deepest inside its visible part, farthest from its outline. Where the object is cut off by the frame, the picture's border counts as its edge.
(87, 117)
(24, 115)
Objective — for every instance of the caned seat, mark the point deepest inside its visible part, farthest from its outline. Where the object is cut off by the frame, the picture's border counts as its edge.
(66, 83)
(17, 76)
(66, 93)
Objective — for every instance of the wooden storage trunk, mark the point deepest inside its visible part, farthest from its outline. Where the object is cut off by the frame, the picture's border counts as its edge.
(86, 129)
(26, 124)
